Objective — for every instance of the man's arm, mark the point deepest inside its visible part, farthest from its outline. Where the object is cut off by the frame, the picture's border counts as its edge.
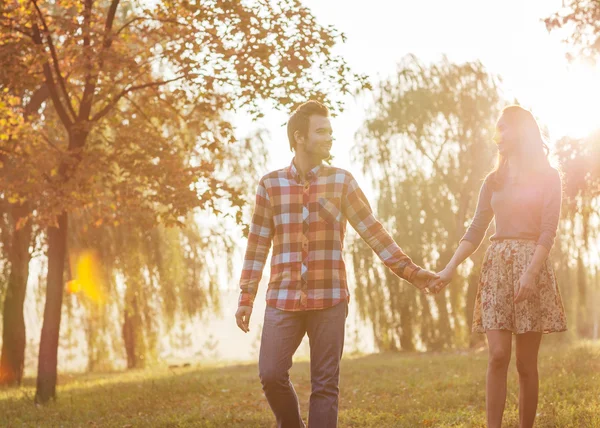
(360, 215)
(257, 250)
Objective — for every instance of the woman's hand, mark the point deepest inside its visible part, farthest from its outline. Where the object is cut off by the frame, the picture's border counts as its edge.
(445, 277)
(423, 279)
(527, 287)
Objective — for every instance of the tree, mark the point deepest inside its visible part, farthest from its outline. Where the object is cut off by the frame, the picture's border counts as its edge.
(580, 19)
(426, 146)
(22, 98)
(164, 271)
(181, 62)
(579, 22)
(579, 159)
(150, 276)
(16, 116)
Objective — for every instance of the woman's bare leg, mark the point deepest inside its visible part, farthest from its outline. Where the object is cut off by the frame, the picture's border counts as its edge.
(499, 346)
(528, 345)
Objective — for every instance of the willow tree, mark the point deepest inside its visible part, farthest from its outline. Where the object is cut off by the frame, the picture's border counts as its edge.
(165, 274)
(579, 159)
(194, 59)
(147, 278)
(426, 146)
(579, 22)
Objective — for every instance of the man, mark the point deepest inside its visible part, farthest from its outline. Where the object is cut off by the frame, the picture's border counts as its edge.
(303, 209)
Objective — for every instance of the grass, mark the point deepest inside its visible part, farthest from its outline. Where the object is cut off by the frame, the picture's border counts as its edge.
(384, 390)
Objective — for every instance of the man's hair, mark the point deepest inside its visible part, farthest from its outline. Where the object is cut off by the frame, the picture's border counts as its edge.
(300, 119)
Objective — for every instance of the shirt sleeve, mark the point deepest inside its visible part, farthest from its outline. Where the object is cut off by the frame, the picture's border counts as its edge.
(483, 216)
(257, 249)
(550, 210)
(358, 212)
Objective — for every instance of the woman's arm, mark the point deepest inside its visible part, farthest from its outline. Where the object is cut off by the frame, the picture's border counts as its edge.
(464, 250)
(472, 238)
(527, 282)
(548, 227)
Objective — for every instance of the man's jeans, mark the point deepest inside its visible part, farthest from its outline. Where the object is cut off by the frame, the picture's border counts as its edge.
(281, 335)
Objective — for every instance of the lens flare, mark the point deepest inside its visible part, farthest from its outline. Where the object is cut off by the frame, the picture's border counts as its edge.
(87, 277)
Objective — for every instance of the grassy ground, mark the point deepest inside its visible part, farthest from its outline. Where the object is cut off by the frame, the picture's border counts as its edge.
(386, 390)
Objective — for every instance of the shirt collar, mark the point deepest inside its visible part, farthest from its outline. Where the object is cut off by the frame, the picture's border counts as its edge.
(294, 173)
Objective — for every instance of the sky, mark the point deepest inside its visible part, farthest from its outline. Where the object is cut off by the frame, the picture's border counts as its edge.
(508, 37)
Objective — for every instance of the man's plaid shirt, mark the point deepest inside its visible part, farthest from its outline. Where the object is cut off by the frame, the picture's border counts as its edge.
(306, 220)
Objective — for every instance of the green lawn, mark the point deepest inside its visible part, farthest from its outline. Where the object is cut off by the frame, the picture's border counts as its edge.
(386, 390)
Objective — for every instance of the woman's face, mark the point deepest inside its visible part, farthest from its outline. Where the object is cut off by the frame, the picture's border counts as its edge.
(505, 137)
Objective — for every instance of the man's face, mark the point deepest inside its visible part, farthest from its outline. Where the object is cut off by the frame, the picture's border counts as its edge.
(318, 140)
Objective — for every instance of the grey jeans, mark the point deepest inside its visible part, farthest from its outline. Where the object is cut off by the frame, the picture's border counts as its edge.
(281, 335)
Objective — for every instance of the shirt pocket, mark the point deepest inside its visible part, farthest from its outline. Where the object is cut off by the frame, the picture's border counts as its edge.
(329, 211)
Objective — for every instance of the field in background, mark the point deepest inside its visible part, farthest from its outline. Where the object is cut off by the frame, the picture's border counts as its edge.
(383, 390)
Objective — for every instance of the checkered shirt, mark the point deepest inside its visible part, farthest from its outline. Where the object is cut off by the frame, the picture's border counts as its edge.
(306, 221)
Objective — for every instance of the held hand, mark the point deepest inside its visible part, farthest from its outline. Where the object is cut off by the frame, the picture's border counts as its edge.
(445, 277)
(423, 278)
(527, 287)
(242, 318)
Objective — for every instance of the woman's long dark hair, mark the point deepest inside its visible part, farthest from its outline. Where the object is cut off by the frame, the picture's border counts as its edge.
(529, 139)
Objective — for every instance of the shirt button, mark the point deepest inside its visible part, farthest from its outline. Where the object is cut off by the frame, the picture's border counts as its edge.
(303, 299)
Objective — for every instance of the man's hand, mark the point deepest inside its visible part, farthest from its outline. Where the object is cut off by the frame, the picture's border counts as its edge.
(527, 287)
(423, 278)
(445, 277)
(242, 318)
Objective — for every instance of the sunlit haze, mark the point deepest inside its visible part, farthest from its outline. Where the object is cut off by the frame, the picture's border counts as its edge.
(509, 38)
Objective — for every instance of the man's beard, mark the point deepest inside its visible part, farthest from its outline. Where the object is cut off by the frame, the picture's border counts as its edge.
(320, 152)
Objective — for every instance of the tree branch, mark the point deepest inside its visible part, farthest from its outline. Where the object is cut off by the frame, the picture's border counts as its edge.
(54, 95)
(37, 99)
(439, 155)
(51, 144)
(126, 91)
(16, 29)
(91, 80)
(59, 77)
(110, 19)
(143, 114)
(142, 18)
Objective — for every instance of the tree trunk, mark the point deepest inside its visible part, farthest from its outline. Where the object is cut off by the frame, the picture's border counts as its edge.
(132, 332)
(47, 359)
(428, 332)
(12, 360)
(583, 319)
(407, 334)
(129, 339)
(472, 286)
(444, 331)
(91, 335)
(444, 335)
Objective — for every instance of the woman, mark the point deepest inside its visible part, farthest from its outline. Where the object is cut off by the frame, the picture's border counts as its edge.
(517, 291)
